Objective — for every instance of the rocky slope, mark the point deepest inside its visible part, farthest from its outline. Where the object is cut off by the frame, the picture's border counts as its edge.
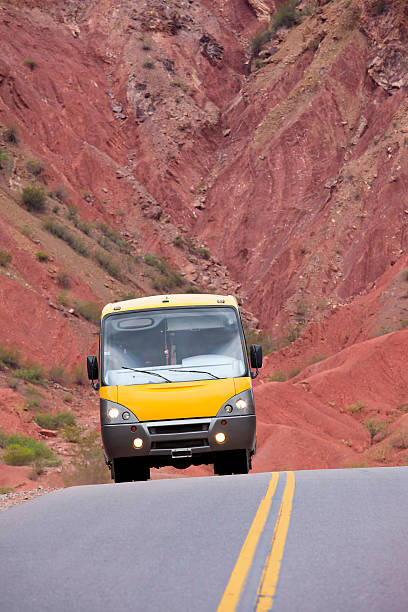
(277, 175)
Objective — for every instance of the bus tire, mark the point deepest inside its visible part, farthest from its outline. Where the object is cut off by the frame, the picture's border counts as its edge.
(242, 461)
(223, 464)
(126, 469)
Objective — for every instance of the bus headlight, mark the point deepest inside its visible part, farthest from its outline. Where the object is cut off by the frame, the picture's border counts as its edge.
(220, 437)
(138, 442)
(239, 405)
(113, 412)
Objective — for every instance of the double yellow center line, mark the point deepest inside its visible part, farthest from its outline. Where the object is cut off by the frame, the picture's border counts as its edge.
(270, 574)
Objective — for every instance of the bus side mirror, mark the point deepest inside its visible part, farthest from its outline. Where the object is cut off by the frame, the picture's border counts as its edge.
(255, 351)
(93, 371)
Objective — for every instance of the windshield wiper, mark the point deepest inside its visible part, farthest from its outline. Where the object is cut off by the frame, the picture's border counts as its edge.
(193, 371)
(147, 372)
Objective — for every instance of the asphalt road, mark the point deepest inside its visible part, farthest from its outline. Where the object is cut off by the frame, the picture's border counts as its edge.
(314, 540)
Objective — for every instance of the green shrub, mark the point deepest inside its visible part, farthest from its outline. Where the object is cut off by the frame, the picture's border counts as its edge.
(277, 377)
(26, 230)
(3, 159)
(89, 310)
(35, 166)
(5, 490)
(354, 408)
(89, 465)
(202, 252)
(178, 242)
(59, 193)
(148, 64)
(3, 438)
(56, 420)
(404, 323)
(165, 278)
(30, 63)
(131, 294)
(374, 427)
(383, 331)
(286, 15)
(72, 212)
(73, 433)
(259, 40)
(400, 439)
(10, 134)
(104, 243)
(64, 234)
(32, 373)
(63, 280)
(60, 375)
(63, 298)
(379, 7)
(9, 357)
(301, 310)
(84, 226)
(191, 289)
(316, 359)
(254, 336)
(114, 237)
(34, 397)
(180, 84)
(40, 256)
(111, 266)
(5, 259)
(293, 333)
(38, 469)
(79, 375)
(34, 198)
(356, 464)
(22, 450)
(294, 372)
(18, 455)
(68, 398)
(151, 260)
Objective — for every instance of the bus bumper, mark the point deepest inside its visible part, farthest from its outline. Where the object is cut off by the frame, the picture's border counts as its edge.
(168, 442)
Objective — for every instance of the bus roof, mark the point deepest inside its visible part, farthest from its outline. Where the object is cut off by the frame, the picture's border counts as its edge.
(171, 300)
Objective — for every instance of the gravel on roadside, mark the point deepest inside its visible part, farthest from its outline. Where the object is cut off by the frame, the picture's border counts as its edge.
(17, 497)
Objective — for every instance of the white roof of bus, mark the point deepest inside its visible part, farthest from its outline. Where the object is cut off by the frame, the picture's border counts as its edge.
(171, 300)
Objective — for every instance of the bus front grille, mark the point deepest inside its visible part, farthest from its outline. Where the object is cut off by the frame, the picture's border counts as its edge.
(171, 444)
(180, 428)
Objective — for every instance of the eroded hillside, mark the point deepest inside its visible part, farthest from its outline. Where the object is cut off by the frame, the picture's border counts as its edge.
(174, 153)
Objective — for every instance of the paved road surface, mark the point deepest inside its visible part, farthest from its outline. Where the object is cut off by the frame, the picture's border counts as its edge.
(334, 540)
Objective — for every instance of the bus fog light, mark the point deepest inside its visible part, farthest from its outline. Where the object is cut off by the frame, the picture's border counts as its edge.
(228, 408)
(220, 437)
(125, 416)
(113, 413)
(241, 404)
(138, 442)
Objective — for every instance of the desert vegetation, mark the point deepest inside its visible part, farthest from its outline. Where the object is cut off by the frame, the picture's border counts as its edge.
(23, 450)
(34, 198)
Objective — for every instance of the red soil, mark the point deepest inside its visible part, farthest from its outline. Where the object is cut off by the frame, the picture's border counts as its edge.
(294, 177)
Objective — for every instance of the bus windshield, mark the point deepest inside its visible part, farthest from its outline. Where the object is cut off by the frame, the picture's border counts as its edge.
(172, 345)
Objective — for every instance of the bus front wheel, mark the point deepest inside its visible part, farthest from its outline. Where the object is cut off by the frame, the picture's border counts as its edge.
(232, 462)
(127, 469)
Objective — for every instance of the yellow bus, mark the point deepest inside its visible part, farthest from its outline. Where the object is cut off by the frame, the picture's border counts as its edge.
(175, 385)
